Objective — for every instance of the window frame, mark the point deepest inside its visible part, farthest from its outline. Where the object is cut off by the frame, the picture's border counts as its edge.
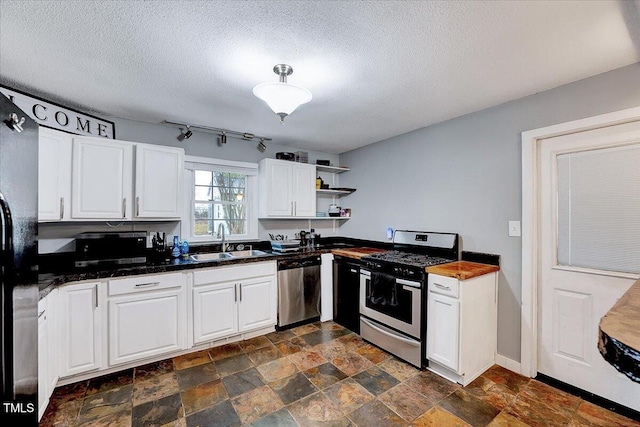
(251, 198)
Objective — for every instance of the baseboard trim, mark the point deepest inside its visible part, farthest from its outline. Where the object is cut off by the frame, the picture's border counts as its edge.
(507, 363)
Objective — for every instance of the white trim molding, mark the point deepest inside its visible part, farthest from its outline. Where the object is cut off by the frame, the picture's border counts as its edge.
(530, 151)
(507, 363)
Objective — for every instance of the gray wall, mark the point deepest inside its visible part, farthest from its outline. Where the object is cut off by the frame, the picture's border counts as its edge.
(464, 176)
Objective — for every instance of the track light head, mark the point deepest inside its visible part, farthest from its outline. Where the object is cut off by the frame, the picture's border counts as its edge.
(261, 145)
(222, 139)
(184, 135)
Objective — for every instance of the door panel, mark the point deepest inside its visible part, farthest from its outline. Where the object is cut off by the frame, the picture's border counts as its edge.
(215, 312)
(589, 222)
(304, 194)
(443, 330)
(158, 180)
(572, 316)
(257, 302)
(279, 202)
(54, 175)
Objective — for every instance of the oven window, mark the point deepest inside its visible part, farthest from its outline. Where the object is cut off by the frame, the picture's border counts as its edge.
(390, 298)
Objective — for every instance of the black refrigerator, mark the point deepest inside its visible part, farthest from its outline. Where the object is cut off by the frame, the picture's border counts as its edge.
(18, 264)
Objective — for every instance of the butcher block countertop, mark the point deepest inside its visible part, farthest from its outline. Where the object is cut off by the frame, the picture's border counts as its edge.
(462, 270)
(356, 253)
(619, 341)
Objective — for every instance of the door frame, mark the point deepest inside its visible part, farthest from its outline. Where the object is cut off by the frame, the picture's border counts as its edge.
(530, 229)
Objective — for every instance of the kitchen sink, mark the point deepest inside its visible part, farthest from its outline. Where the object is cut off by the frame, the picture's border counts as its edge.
(217, 256)
(247, 253)
(213, 256)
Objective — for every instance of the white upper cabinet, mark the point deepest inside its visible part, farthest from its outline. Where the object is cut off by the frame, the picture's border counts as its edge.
(102, 179)
(303, 190)
(287, 189)
(54, 175)
(158, 181)
(85, 179)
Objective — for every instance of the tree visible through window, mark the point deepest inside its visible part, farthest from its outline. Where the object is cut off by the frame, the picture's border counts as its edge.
(220, 201)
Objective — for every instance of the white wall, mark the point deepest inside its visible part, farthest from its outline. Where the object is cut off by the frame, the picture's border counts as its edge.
(59, 237)
(464, 176)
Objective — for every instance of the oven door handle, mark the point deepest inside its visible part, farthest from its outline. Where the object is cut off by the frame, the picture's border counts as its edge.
(390, 335)
(409, 283)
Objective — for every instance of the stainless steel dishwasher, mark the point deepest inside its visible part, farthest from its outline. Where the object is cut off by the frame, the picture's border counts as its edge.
(298, 291)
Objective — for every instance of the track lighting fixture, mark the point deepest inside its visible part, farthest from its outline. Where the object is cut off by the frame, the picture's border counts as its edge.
(185, 135)
(222, 134)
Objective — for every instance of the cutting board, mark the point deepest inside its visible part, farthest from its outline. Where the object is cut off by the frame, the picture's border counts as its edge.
(462, 270)
(356, 253)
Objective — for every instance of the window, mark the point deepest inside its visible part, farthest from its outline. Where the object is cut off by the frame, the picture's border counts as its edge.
(221, 198)
(220, 202)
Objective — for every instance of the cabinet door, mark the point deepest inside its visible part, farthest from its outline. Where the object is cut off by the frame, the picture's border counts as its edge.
(304, 190)
(43, 361)
(443, 329)
(347, 296)
(54, 175)
(146, 324)
(79, 321)
(158, 181)
(215, 312)
(257, 302)
(101, 179)
(278, 186)
(52, 340)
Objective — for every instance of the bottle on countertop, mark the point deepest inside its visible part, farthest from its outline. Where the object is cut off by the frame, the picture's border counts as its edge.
(175, 251)
(184, 249)
(312, 236)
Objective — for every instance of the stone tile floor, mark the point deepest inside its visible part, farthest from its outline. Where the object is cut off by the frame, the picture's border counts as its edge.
(314, 375)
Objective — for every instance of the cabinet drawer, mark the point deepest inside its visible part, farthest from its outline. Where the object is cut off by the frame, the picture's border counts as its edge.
(145, 283)
(444, 285)
(232, 273)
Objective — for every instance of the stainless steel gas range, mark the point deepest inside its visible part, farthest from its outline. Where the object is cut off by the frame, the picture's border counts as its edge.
(393, 292)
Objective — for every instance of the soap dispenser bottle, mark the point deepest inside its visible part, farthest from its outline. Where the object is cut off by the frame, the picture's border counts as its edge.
(175, 251)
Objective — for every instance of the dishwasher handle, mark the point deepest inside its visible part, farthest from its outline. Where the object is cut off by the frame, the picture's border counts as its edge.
(290, 264)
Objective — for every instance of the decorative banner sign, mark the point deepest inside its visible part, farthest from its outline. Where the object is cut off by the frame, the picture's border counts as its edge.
(55, 116)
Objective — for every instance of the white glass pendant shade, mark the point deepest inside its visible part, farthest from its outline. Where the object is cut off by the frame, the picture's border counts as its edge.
(282, 98)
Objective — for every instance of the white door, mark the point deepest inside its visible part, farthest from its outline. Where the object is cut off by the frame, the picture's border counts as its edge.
(215, 312)
(145, 324)
(80, 329)
(304, 190)
(257, 301)
(158, 181)
(589, 252)
(54, 175)
(101, 179)
(443, 330)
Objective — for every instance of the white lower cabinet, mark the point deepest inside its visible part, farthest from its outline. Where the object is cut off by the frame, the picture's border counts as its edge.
(231, 300)
(444, 337)
(147, 317)
(215, 311)
(43, 357)
(257, 303)
(461, 326)
(79, 329)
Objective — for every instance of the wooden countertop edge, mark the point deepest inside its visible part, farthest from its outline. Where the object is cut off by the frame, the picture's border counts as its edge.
(462, 270)
(619, 334)
(356, 253)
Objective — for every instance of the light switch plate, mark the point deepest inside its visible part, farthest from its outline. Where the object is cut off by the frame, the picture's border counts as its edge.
(514, 229)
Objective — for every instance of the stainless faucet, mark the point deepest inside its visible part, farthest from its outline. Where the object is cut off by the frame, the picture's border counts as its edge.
(221, 233)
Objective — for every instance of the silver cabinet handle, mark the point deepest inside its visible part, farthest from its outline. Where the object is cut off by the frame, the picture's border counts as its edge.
(41, 313)
(439, 286)
(235, 292)
(95, 290)
(147, 285)
(295, 208)
(61, 207)
(124, 207)
(353, 270)
(240, 286)
(138, 206)
(291, 208)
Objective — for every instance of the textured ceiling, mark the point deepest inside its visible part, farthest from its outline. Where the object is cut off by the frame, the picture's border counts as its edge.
(376, 69)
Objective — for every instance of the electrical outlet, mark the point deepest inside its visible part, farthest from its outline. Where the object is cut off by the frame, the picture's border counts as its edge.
(514, 229)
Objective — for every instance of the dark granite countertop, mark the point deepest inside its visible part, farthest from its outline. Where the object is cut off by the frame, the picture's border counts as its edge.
(48, 281)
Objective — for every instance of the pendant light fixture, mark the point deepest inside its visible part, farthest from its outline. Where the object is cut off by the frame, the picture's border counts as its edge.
(283, 98)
